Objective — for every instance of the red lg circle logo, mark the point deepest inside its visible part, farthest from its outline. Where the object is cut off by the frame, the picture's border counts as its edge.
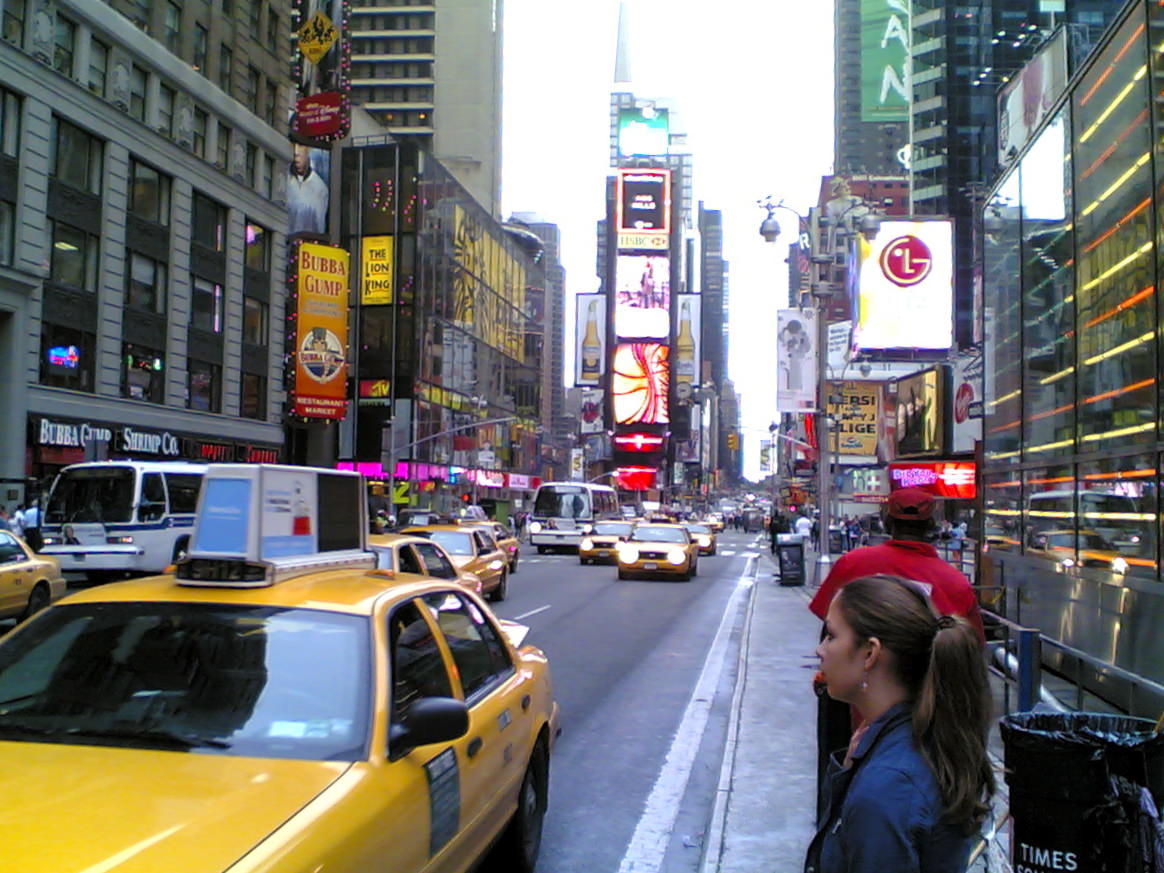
(906, 261)
(962, 401)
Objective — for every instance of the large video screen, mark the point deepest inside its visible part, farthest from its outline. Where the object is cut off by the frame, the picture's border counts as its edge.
(642, 302)
(640, 382)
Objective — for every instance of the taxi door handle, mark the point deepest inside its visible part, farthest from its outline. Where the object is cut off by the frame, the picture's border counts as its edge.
(475, 745)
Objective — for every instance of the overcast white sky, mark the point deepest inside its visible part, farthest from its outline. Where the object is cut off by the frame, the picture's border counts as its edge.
(753, 84)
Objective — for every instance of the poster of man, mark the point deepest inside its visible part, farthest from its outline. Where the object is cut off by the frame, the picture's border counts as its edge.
(308, 191)
(643, 297)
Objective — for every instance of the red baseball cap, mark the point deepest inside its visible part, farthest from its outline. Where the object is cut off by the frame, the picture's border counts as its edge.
(910, 503)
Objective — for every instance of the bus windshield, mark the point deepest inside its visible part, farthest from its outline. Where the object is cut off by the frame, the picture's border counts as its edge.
(565, 502)
(92, 494)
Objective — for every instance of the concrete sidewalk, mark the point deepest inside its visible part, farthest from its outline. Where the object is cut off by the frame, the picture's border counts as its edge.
(764, 813)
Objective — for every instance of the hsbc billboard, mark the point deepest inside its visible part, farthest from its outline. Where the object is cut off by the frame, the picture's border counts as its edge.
(956, 479)
(905, 288)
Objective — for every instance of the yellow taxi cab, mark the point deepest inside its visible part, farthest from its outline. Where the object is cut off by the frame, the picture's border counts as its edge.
(660, 550)
(704, 536)
(715, 521)
(417, 556)
(274, 705)
(28, 582)
(1070, 548)
(599, 544)
(505, 538)
(472, 549)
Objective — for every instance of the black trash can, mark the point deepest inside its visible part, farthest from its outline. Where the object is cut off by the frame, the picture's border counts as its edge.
(836, 541)
(1075, 781)
(790, 558)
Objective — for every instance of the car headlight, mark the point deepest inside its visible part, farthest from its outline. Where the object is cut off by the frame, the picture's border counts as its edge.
(1119, 565)
(586, 544)
(1067, 562)
(119, 540)
(627, 553)
(676, 556)
(535, 526)
(703, 540)
(50, 541)
(496, 565)
(586, 528)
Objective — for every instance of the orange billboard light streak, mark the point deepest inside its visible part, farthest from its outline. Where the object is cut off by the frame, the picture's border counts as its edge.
(1115, 392)
(1115, 227)
(1120, 307)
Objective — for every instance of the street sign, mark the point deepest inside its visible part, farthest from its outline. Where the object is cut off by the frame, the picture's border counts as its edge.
(316, 37)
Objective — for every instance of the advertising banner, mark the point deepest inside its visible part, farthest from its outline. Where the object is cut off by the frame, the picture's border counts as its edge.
(919, 414)
(308, 191)
(853, 406)
(905, 295)
(957, 479)
(289, 508)
(643, 131)
(686, 348)
(590, 417)
(376, 270)
(885, 65)
(644, 209)
(590, 339)
(321, 318)
(1025, 101)
(642, 301)
(321, 64)
(966, 400)
(640, 383)
(577, 465)
(796, 360)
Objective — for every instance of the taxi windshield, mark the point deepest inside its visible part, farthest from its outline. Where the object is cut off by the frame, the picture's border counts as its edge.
(455, 542)
(698, 528)
(646, 534)
(225, 679)
(613, 528)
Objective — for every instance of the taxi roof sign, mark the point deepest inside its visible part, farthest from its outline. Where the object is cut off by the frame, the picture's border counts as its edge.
(258, 524)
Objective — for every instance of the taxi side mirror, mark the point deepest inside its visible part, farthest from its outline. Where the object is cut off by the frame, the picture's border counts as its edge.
(428, 720)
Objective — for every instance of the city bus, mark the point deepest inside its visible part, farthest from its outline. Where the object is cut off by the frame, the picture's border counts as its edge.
(110, 518)
(564, 511)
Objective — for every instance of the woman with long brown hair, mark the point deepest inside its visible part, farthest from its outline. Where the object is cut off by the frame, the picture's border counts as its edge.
(915, 786)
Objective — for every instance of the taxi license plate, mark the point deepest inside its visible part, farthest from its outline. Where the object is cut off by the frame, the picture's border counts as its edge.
(650, 565)
(604, 552)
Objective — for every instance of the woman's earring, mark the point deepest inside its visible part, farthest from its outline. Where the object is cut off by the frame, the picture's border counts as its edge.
(865, 682)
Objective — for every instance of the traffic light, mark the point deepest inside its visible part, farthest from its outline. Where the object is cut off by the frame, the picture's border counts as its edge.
(467, 497)
(733, 441)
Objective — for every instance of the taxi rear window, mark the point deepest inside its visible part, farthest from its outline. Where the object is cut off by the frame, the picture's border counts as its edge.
(204, 678)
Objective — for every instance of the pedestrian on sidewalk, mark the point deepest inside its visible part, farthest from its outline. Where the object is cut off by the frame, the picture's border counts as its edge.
(908, 516)
(914, 787)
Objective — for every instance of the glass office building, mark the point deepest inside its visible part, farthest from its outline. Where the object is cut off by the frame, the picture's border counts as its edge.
(1072, 436)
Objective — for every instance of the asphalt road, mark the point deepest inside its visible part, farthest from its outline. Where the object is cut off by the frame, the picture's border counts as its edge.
(643, 672)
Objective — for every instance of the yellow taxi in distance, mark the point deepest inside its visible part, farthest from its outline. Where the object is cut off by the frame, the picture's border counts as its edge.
(28, 582)
(599, 544)
(715, 522)
(275, 704)
(703, 535)
(473, 549)
(417, 556)
(660, 550)
(505, 538)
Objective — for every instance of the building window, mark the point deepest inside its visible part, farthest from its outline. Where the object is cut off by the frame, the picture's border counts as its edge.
(143, 373)
(145, 286)
(137, 92)
(201, 120)
(66, 357)
(268, 167)
(274, 34)
(76, 158)
(204, 386)
(256, 11)
(209, 228)
(258, 254)
(206, 305)
(166, 109)
(228, 8)
(252, 164)
(201, 46)
(9, 124)
(139, 14)
(172, 35)
(14, 21)
(149, 193)
(271, 98)
(64, 46)
(223, 150)
(254, 321)
(7, 232)
(252, 94)
(225, 67)
(98, 66)
(74, 257)
(254, 397)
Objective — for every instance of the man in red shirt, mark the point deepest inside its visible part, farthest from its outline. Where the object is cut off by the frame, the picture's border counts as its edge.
(908, 516)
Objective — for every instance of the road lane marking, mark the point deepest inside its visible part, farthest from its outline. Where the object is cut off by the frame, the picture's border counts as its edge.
(531, 612)
(648, 844)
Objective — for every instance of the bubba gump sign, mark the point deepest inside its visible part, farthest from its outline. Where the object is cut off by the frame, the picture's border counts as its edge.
(321, 369)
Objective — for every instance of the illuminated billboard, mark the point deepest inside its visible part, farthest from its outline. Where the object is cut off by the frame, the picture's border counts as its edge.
(642, 297)
(853, 406)
(687, 335)
(640, 382)
(907, 268)
(885, 49)
(919, 414)
(957, 479)
(644, 209)
(643, 131)
(590, 340)
(321, 331)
